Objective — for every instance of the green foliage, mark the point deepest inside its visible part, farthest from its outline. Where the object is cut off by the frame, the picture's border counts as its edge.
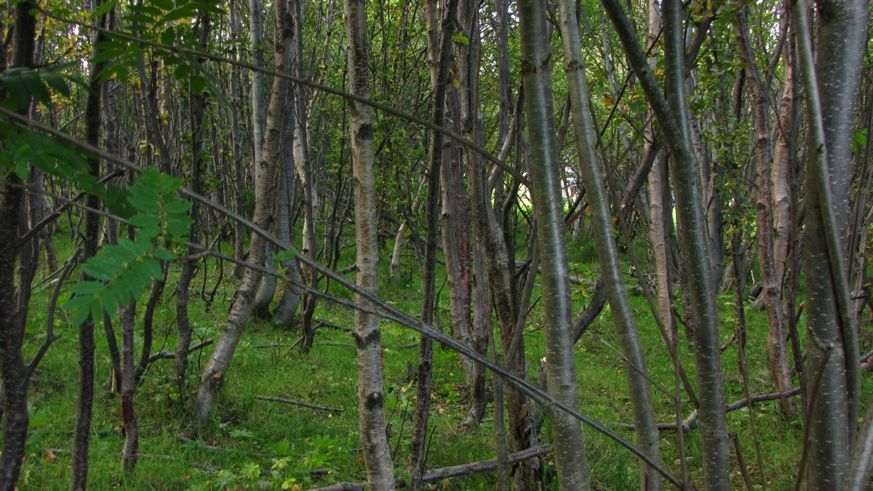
(121, 272)
(22, 83)
(167, 23)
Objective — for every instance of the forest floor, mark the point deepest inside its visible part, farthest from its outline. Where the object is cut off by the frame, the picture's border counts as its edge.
(258, 444)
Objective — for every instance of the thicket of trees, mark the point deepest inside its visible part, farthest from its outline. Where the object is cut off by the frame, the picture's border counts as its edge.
(713, 147)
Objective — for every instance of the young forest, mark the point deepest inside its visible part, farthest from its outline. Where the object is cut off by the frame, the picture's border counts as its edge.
(436, 244)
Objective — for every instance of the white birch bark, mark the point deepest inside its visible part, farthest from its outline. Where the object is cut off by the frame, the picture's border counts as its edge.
(371, 399)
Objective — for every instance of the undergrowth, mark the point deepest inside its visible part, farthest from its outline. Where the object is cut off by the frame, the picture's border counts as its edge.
(257, 444)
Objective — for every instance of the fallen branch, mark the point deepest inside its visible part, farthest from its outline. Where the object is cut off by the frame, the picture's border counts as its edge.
(167, 355)
(691, 421)
(453, 471)
(307, 405)
(331, 325)
(483, 466)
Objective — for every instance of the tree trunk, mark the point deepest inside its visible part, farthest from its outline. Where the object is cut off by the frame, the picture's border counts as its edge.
(439, 53)
(12, 315)
(371, 398)
(610, 266)
(777, 339)
(265, 196)
(197, 104)
(696, 261)
(546, 195)
(129, 427)
(780, 177)
(283, 315)
(831, 89)
(468, 110)
(82, 432)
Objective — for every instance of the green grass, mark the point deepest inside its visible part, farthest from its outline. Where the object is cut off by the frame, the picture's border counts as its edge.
(254, 444)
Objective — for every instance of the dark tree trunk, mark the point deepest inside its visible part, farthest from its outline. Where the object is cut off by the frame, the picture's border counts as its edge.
(12, 314)
(84, 407)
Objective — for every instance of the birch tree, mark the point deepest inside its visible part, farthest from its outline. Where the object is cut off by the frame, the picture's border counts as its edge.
(831, 88)
(266, 187)
(371, 398)
(696, 260)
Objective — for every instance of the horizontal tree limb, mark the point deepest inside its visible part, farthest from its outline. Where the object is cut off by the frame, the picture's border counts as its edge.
(452, 471)
(484, 465)
(691, 421)
(307, 405)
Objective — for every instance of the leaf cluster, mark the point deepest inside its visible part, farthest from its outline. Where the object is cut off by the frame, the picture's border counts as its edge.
(122, 272)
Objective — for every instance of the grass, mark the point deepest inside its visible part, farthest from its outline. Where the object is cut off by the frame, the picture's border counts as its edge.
(254, 444)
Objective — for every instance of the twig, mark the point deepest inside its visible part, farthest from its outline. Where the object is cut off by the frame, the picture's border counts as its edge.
(453, 471)
(691, 421)
(308, 405)
(167, 355)
(331, 325)
(741, 461)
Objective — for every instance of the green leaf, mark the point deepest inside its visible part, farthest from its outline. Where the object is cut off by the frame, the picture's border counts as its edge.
(165, 254)
(104, 8)
(87, 288)
(460, 38)
(198, 84)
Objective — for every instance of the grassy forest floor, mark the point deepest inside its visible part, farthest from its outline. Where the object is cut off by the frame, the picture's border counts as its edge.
(256, 444)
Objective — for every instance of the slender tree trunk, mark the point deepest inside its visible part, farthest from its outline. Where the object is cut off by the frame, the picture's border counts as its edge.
(197, 106)
(266, 188)
(288, 303)
(659, 205)
(831, 89)
(148, 321)
(371, 398)
(780, 177)
(455, 194)
(239, 182)
(546, 194)
(267, 286)
(12, 313)
(439, 53)
(610, 266)
(267, 283)
(129, 426)
(82, 432)
(777, 339)
(696, 260)
(259, 115)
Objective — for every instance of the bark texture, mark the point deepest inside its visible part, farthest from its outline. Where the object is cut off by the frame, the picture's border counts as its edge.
(12, 314)
(371, 398)
(546, 195)
(696, 259)
(607, 251)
